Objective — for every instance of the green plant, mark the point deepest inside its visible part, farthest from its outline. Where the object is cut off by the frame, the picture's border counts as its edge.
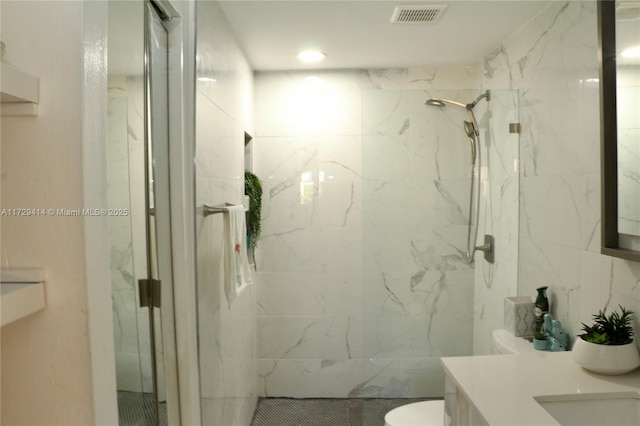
(614, 329)
(539, 335)
(253, 188)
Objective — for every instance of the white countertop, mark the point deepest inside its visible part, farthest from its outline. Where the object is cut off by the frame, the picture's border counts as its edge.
(502, 387)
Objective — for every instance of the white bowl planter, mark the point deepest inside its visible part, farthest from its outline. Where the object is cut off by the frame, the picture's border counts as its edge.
(610, 360)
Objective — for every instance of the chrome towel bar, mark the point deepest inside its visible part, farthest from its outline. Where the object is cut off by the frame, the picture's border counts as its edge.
(208, 210)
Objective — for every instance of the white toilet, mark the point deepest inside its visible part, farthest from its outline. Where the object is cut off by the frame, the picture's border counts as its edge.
(431, 413)
(504, 342)
(425, 413)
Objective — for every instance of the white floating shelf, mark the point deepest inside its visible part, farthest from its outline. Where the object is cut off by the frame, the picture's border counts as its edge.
(20, 92)
(21, 293)
(22, 275)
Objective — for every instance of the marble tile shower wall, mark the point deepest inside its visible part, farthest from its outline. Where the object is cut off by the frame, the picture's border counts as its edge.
(127, 234)
(553, 61)
(309, 258)
(226, 334)
(362, 283)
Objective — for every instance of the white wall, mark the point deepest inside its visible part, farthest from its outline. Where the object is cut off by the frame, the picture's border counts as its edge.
(226, 334)
(47, 371)
(553, 62)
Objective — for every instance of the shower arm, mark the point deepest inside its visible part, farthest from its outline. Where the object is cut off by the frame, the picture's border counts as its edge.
(469, 107)
(486, 95)
(456, 103)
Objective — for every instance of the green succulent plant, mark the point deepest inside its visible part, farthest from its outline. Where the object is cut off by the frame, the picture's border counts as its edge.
(614, 329)
(253, 188)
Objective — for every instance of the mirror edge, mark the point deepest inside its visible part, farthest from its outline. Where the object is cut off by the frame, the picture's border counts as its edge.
(610, 244)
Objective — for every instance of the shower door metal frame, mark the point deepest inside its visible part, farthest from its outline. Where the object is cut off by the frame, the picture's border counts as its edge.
(157, 290)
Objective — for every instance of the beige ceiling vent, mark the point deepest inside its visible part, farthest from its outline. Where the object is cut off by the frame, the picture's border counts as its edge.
(418, 13)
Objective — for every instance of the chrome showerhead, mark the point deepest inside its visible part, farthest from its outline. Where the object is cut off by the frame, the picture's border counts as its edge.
(441, 103)
(435, 102)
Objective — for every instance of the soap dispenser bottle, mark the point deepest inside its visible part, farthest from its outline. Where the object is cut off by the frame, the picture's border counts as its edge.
(541, 308)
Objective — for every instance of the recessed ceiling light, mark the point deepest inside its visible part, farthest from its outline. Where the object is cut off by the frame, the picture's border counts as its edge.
(311, 56)
(632, 52)
(207, 79)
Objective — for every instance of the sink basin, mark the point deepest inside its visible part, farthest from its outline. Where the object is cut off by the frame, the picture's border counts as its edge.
(620, 409)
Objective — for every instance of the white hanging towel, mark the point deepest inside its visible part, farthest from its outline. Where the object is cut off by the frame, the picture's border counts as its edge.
(237, 274)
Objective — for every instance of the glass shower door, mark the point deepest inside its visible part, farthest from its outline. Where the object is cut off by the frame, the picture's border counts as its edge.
(140, 228)
(418, 286)
(422, 300)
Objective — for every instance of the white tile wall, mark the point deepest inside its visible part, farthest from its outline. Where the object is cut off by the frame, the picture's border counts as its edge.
(227, 334)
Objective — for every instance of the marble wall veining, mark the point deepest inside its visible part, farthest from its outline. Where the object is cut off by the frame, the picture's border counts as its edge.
(362, 283)
(226, 335)
(553, 62)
